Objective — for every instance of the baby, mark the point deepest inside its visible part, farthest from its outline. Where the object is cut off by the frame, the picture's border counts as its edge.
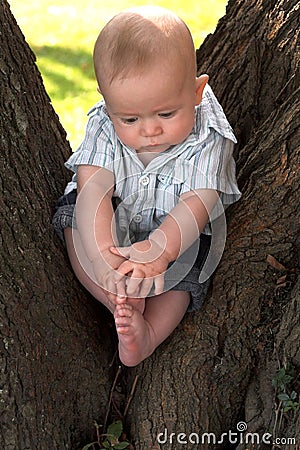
(155, 163)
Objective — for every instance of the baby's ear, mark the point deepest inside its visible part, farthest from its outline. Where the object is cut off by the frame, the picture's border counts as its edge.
(200, 85)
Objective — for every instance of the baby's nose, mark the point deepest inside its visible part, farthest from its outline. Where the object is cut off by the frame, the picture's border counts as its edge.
(151, 128)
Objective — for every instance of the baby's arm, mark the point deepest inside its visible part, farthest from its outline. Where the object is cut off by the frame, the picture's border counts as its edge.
(95, 222)
(181, 227)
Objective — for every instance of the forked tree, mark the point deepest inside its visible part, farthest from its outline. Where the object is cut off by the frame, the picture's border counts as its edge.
(216, 370)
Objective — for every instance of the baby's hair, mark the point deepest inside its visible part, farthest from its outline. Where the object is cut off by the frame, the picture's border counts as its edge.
(132, 41)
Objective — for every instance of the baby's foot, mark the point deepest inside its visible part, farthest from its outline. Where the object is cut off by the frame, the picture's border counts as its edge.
(134, 335)
(136, 303)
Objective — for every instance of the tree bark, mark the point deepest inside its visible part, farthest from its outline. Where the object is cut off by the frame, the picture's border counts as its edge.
(217, 368)
(55, 346)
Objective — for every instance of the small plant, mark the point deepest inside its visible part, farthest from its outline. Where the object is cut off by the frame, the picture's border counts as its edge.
(281, 383)
(109, 440)
(287, 397)
(281, 380)
(288, 401)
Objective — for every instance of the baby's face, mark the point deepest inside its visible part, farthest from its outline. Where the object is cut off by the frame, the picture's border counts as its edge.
(152, 111)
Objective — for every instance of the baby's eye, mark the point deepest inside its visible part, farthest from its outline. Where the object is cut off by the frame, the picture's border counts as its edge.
(128, 120)
(167, 115)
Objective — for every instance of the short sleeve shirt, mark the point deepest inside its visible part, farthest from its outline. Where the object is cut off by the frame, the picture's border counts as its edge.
(145, 195)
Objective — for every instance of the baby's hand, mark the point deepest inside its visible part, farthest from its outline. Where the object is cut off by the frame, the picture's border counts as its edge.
(105, 269)
(146, 264)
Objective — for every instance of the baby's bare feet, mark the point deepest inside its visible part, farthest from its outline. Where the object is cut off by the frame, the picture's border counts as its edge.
(134, 334)
(136, 303)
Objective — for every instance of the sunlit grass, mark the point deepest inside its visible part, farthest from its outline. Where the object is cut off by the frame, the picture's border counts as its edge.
(62, 35)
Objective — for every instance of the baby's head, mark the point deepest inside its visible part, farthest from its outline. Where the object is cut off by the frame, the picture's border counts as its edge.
(145, 65)
(139, 38)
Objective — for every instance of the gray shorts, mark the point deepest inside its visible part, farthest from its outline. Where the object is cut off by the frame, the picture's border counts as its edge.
(64, 217)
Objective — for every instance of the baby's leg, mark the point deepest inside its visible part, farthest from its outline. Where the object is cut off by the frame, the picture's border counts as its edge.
(140, 328)
(140, 334)
(86, 276)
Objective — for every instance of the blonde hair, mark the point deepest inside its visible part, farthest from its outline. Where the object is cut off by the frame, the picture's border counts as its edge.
(136, 39)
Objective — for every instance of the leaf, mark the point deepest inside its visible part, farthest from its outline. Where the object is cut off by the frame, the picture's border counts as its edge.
(280, 374)
(287, 408)
(283, 397)
(86, 447)
(121, 445)
(106, 444)
(115, 429)
(281, 379)
(293, 395)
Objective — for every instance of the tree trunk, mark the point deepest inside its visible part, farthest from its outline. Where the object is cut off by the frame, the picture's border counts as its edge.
(55, 348)
(217, 368)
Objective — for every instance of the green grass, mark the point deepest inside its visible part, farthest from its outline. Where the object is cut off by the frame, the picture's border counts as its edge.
(62, 34)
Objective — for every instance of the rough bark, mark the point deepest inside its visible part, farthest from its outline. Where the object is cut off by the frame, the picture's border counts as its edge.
(217, 367)
(55, 350)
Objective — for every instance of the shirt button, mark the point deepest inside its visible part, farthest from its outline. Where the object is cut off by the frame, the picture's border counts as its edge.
(137, 218)
(145, 180)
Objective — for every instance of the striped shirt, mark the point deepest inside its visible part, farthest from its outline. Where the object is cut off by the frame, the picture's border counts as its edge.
(145, 195)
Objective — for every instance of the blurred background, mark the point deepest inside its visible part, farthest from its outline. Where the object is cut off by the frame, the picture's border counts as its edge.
(62, 34)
